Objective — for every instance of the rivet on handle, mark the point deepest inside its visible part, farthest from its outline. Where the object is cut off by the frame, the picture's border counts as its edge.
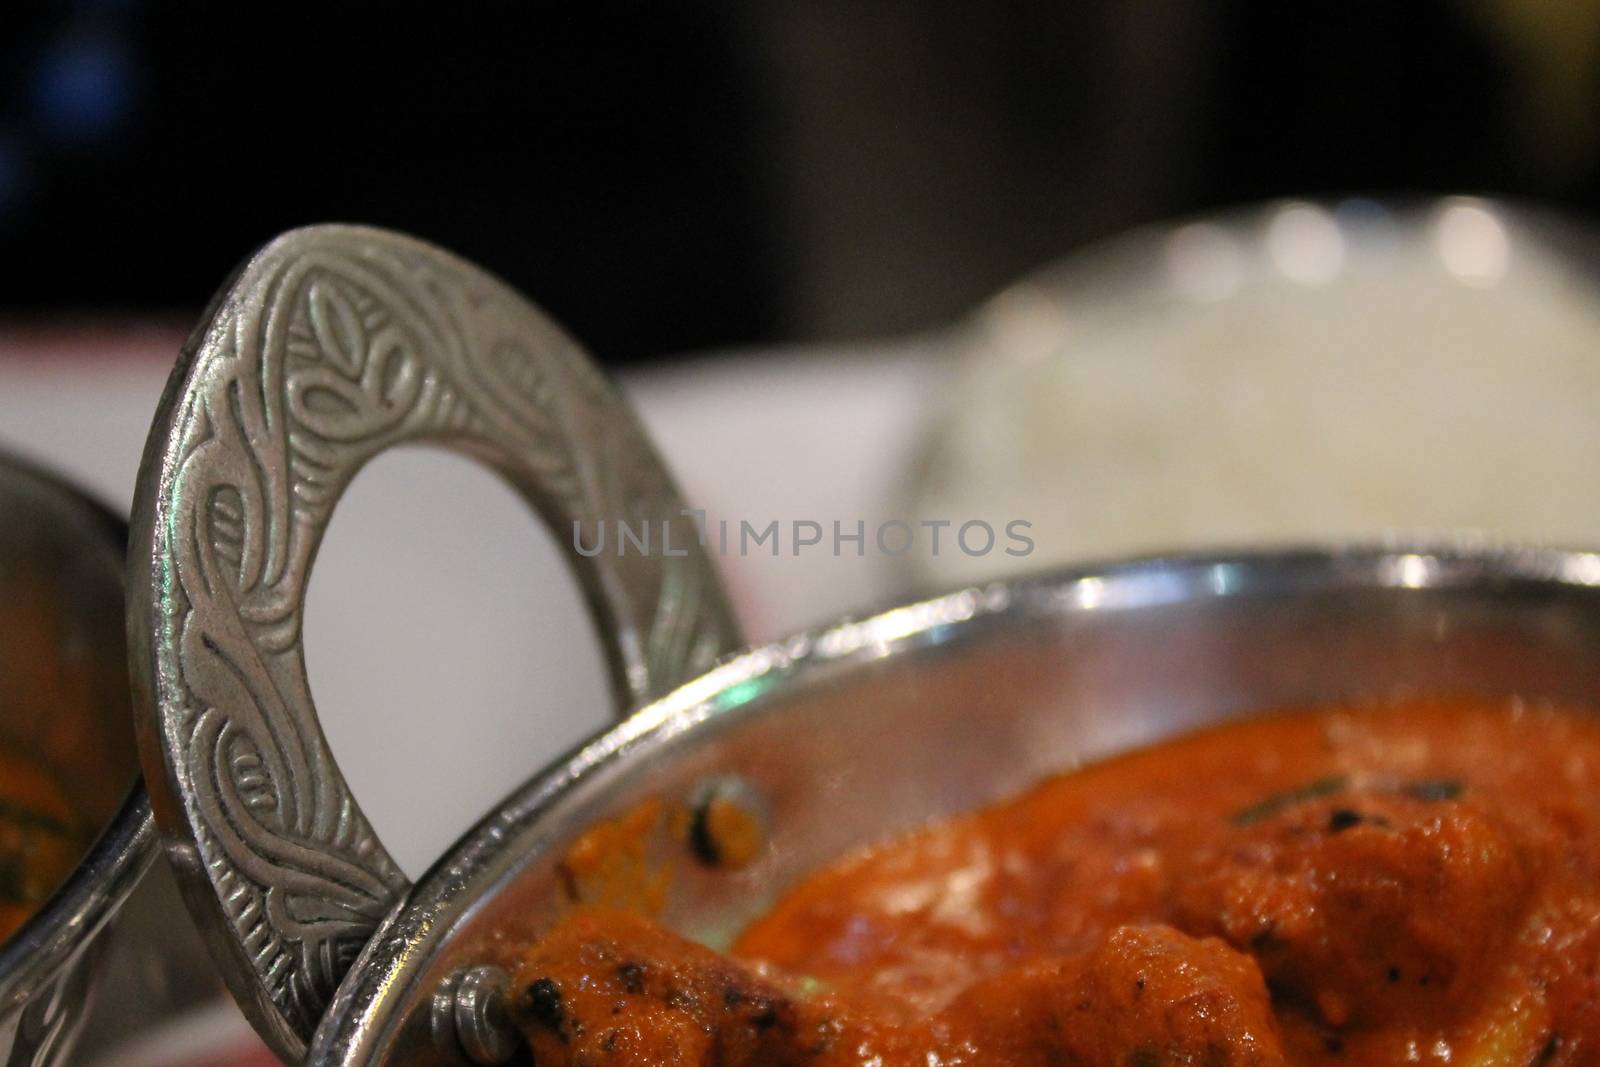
(470, 1020)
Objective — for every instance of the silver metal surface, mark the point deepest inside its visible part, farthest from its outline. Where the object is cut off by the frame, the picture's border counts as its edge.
(728, 792)
(869, 728)
(330, 345)
(60, 611)
(470, 1020)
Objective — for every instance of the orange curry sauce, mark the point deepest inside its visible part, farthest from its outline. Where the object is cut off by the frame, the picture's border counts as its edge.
(1412, 883)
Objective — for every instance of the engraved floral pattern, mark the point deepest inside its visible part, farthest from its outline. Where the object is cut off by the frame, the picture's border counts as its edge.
(332, 345)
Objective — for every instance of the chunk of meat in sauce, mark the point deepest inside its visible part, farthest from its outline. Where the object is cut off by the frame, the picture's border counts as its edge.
(611, 987)
(1370, 907)
(1146, 995)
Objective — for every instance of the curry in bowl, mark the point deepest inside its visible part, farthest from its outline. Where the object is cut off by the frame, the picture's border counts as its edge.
(41, 838)
(66, 750)
(1406, 881)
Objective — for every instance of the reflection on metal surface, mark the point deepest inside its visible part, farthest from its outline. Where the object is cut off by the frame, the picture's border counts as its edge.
(879, 634)
(1089, 593)
(1411, 571)
(1582, 568)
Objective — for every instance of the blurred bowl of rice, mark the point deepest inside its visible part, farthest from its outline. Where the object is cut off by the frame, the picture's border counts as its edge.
(1299, 372)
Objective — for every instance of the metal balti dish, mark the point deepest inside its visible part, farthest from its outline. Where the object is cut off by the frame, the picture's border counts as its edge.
(856, 732)
(61, 560)
(832, 739)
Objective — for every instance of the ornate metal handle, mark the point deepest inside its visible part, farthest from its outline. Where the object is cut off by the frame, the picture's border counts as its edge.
(330, 345)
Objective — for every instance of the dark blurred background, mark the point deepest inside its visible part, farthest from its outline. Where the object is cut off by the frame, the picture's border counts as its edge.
(668, 177)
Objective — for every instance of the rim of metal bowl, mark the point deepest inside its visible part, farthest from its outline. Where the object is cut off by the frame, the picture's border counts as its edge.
(361, 1013)
(81, 906)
